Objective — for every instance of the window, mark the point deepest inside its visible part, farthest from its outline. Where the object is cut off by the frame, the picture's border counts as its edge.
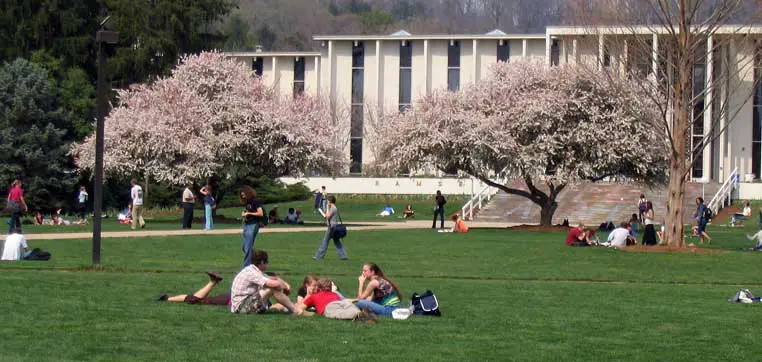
(298, 76)
(453, 66)
(606, 57)
(406, 74)
(697, 138)
(555, 52)
(503, 51)
(756, 138)
(357, 112)
(258, 65)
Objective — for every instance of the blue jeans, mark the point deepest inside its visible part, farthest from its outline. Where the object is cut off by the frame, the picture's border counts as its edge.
(15, 221)
(375, 307)
(438, 212)
(250, 232)
(208, 217)
(320, 254)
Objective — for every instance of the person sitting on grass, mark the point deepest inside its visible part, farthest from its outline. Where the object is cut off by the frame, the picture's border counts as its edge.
(577, 236)
(388, 210)
(252, 289)
(329, 303)
(15, 247)
(758, 238)
(38, 220)
(408, 213)
(381, 296)
(739, 218)
(634, 225)
(620, 237)
(272, 216)
(201, 296)
(293, 217)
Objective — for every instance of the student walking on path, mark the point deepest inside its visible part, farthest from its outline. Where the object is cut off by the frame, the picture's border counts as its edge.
(252, 215)
(331, 216)
(136, 194)
(189, 201)
(208, 206)
(439, 210)
(82, 202)
(15, 204)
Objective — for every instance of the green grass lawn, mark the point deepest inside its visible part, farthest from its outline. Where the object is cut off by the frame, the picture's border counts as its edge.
(352, 210)
(504, 295)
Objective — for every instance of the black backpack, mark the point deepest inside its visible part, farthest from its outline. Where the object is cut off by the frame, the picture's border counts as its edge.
(265, 218)
(38, 254)
(708, 214)
(425, 304)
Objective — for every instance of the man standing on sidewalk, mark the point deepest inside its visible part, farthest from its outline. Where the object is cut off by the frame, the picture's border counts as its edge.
(439, 209)
(136, 194)
(189, 201)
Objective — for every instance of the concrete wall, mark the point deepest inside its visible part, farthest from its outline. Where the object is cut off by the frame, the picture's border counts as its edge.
(397, 186)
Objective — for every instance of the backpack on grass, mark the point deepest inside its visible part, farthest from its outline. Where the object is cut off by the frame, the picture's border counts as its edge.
(425, 304)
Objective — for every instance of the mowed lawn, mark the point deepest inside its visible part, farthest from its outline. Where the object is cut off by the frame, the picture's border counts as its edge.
(504, 295)
(351, 210)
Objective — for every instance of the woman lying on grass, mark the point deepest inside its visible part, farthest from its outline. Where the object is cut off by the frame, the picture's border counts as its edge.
(200, 296)
(381, 296)
(328, 303)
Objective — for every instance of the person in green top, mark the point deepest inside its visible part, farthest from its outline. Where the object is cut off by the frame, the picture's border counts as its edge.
(381, 296)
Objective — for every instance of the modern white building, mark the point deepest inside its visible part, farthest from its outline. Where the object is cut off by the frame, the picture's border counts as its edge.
(366, 76)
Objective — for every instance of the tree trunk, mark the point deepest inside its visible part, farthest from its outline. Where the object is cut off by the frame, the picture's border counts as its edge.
(681, 126)
(548, 209)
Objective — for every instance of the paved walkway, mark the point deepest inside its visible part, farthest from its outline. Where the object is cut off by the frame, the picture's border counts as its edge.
(370, 225)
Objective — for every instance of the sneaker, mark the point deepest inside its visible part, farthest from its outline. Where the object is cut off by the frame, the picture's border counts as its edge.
(162, 298)
(214, 277)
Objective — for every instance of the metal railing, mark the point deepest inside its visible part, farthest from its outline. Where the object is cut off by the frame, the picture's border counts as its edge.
(724, 195)
(479, 198)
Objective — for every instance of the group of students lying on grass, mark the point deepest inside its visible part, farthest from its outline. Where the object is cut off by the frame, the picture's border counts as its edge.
(254, 292)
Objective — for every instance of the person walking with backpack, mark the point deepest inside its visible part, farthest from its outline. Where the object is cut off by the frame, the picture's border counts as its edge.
(331, 216)
(252, 216)
(701, 220)
(642, 208)
(439, 203)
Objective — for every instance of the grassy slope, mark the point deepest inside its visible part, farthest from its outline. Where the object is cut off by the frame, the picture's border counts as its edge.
(505, 296)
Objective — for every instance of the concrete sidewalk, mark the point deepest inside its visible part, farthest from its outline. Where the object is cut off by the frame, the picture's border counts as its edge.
(356, 226)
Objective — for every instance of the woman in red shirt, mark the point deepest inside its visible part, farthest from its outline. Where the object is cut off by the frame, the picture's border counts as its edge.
(15, 203)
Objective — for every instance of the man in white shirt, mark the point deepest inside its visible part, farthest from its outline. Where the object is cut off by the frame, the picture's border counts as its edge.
(189, 201)
(618, 237)
(252, 289)
(15, 243)
(758, 238)
(136, 193)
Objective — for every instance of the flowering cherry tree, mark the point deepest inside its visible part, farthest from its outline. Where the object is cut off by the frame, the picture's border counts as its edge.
(547, 126)
(214, 116)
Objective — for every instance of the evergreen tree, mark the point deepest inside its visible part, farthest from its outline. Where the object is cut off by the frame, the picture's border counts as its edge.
(32, 136)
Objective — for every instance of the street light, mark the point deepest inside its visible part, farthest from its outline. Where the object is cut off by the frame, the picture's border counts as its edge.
(102, 37)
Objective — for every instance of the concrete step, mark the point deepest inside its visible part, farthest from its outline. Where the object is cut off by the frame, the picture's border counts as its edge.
(592, 203)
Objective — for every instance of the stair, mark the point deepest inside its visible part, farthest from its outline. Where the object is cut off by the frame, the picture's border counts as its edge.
(592, 203)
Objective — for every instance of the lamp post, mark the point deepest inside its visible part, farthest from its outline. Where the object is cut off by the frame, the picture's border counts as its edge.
(102, 37)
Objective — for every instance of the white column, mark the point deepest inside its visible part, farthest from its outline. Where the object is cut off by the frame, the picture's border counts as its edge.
(708, 116)
(474, 59)
(574, 51)
(317, 76)
(723, 174)
(732, 62)
(331, 83)
(655, 56)
(624, 60)
(564, 58)
(548, 47)
(426, 71)
(524, 48)
(600, 51)
(276, 76)
(379, 90)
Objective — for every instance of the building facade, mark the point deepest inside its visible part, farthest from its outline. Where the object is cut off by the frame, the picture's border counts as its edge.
(368, 76)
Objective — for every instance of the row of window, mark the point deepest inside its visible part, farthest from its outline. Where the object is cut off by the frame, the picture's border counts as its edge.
(756, 149)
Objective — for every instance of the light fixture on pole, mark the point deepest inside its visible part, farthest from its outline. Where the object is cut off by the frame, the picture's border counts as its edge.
(102, 37)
